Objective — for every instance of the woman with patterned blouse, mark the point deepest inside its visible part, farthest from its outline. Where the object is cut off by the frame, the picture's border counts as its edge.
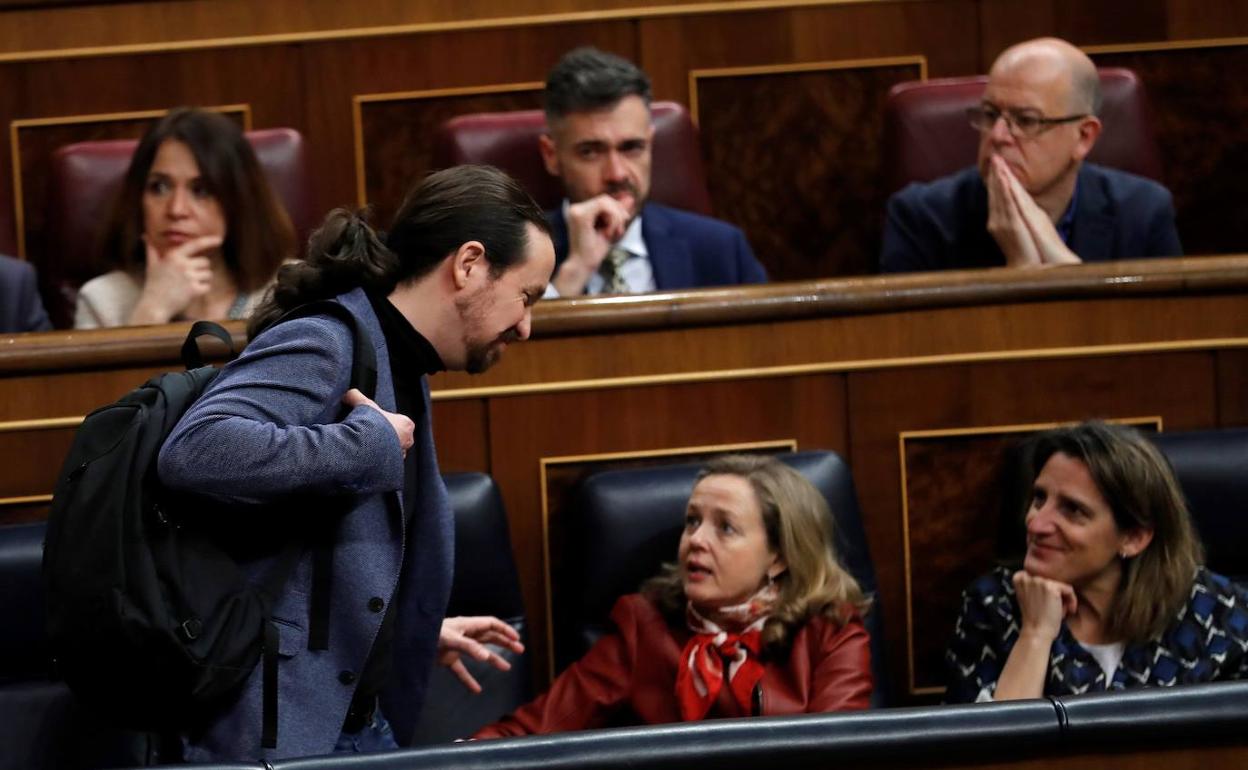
(1112, 593)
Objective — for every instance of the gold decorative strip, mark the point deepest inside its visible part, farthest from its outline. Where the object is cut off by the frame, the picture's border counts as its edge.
(416, 28)
(357, 117)
(1166, 45)
(902, 438)
(46, 423)
(789, 445)
(918, 60)
(15, 127)
(9, 502)
(834, 367)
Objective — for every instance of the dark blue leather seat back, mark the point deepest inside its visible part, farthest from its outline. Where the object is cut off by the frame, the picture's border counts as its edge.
(486, 583)
(1212, 468)
(627, 523)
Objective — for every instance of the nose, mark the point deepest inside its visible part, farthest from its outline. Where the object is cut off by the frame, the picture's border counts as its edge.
(614, 169)
(1000, 131)
(1040, 520)
(526, 325)
(179, 202)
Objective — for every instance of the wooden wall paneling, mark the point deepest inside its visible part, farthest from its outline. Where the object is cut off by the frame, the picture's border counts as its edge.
(1178, 387)
(32, 452)
(461, 434)
(1002, 24)
(794, 157)
(392, 141)
(1200, 105)
(1232, 367)
(526, 429)
(1189, 20)
(339, 71)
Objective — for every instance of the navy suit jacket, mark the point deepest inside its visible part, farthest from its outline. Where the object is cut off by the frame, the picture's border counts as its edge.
(943, 224)
(21, 310)
(270, 433)
(687, 251)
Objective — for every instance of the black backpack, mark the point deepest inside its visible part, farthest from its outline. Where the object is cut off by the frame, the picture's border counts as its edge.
(151, 622)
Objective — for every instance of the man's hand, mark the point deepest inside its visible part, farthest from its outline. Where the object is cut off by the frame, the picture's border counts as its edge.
(1044, 605)
(1005, 220)
(174, 279)
(593, 225)
(1048, 243)
(468, 636)
(403, 426)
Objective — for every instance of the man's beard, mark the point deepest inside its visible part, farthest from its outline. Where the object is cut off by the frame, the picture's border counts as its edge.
(480, 354)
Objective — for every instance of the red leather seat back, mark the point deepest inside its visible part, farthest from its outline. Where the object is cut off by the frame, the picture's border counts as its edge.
(86, 176)
(926, 134)
(509, 140)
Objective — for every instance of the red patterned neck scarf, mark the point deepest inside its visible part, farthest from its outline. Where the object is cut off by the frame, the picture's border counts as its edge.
(734, 637)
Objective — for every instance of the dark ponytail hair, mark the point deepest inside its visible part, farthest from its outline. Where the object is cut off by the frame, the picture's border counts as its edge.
(445, 210)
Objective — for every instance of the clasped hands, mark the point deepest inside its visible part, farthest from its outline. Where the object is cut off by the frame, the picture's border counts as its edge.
(1020, 227)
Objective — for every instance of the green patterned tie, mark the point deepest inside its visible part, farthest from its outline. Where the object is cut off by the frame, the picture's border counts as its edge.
(612, 270)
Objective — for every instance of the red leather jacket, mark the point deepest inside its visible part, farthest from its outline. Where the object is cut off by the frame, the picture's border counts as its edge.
(629, 676)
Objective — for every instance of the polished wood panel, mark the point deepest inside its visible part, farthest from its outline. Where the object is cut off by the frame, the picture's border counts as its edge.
(1232, 388)
(1178, 387)
(794, 159)
(462, 434)
(1199, 106)
(396, 131)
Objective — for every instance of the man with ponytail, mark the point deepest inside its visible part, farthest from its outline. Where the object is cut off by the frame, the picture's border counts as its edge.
(282, 438)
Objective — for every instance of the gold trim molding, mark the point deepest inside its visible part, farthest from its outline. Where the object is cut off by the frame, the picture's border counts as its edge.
(989, 430)
(45, 423)
(1166, 45)
(790, 69)
(357, 117)
(637, 13)
(15, 127)
(838, 367)
(789, 445)
(13, 502)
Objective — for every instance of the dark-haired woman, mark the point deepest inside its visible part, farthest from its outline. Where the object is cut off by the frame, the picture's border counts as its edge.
(195, 231)
(756, 617)
(281, 429)
(1112, 594)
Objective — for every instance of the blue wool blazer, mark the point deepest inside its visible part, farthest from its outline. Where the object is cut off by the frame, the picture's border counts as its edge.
(270, 438)
(943, 225)
(21, 310)
(687, 250)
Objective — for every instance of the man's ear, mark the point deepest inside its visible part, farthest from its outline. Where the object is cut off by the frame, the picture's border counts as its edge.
(468, 264)
(549, 157)
(1089, 131)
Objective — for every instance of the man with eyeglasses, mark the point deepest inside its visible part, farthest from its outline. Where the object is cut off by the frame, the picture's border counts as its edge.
(608, 238)
(1031, 200)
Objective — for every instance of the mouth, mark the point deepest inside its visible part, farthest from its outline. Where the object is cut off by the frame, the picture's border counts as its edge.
(696, 573)
(176, 236)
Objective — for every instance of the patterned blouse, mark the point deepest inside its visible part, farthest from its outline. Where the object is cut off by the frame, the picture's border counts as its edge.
(1207, 641)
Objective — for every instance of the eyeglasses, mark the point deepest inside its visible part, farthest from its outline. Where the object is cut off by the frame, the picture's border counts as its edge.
(1022, 124)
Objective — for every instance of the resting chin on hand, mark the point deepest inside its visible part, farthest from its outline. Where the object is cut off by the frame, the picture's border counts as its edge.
(593, 226)
(1043, 605)
(1020, 227)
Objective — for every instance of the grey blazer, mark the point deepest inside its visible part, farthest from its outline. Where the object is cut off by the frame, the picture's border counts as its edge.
(271, 431)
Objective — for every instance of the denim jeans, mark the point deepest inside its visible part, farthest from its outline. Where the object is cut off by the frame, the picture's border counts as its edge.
(375, 736)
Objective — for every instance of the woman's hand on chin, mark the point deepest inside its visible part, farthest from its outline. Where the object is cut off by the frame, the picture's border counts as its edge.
(1044, 604)
(175, 279)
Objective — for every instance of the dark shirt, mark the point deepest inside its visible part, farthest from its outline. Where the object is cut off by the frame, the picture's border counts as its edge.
(411, 358)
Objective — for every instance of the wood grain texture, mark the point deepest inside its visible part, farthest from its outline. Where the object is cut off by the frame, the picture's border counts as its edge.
(1199, 107)
(1232, 389)
(794, 159)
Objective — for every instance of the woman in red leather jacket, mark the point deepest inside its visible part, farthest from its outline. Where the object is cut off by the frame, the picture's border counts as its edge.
(756, 617)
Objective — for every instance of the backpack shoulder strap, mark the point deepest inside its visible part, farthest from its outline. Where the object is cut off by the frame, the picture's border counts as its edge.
(363, 355)
(192, 358)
